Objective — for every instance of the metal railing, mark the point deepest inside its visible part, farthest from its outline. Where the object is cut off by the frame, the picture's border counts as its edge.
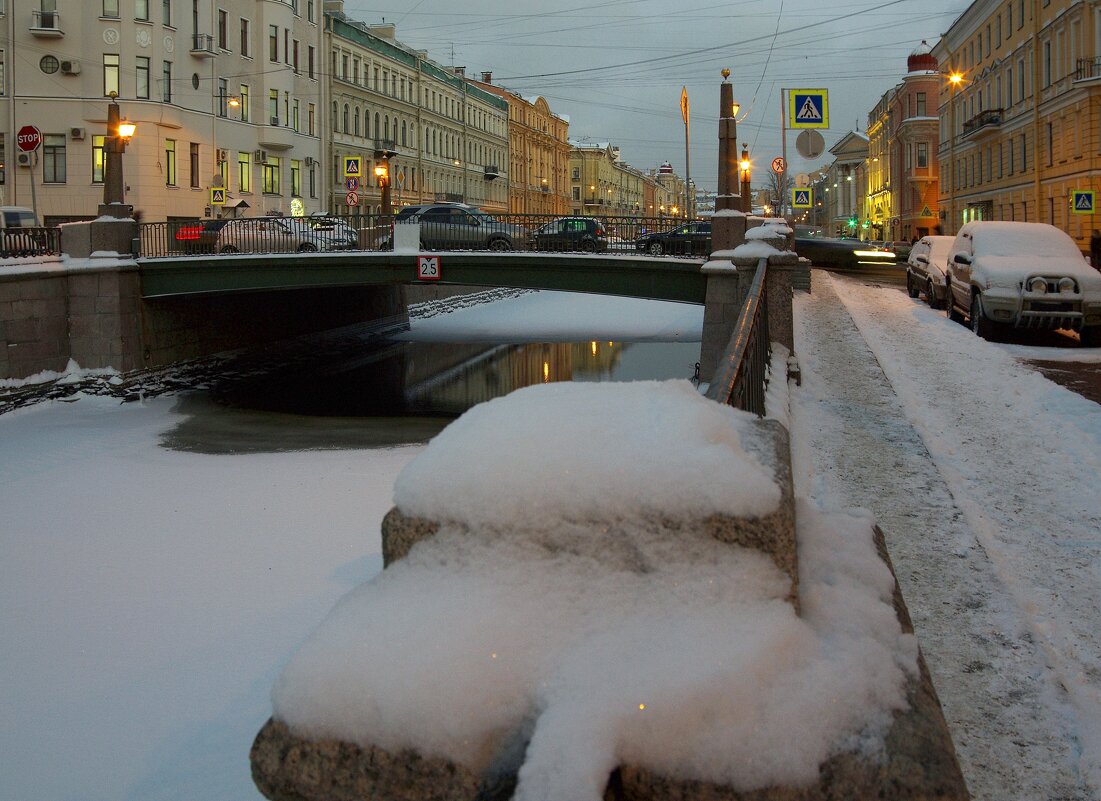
(19, 242)
(515, 232)
(742, 376)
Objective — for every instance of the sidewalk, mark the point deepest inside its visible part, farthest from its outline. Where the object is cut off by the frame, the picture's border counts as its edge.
(855, 445)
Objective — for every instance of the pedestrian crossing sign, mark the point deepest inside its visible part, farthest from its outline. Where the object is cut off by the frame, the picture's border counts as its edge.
(217, 196)
(926, 211)
(808, 108)
(802, 198)
(353, 167)
(1082, 202)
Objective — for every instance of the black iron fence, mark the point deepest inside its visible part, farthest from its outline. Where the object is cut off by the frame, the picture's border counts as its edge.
(741, 377)
(18, 242)
(455, 231)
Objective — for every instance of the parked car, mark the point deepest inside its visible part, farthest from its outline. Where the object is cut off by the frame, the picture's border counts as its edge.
(692, 238)
(926, 267)
(457, 226)
(272, 235)
(900, 248)
(1022, 275)
(337, 234)
(571, 233)
(21, 233)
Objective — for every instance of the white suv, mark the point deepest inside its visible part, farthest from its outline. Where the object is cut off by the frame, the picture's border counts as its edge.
(1022, 275)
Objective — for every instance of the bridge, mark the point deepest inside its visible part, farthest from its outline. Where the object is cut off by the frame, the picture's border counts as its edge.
(659, 278)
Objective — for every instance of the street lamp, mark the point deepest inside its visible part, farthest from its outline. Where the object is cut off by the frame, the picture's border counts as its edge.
(955, 80)
(119, 133)
(382, 174)
(747, 206)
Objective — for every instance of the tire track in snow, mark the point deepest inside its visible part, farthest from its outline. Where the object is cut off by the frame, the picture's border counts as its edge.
(1015, 734)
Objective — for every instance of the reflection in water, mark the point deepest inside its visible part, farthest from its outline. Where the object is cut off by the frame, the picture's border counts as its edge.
(504, 369)
(382, 393)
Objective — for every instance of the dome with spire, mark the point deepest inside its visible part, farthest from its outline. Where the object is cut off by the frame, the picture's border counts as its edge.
(922, 59)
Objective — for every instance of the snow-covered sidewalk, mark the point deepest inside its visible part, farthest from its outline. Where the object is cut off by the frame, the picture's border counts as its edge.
(984, 476)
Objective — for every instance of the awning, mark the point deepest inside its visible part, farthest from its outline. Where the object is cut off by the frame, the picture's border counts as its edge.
(237, 204)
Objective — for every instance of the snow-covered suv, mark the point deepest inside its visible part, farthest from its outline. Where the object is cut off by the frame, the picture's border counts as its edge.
(1024, 275)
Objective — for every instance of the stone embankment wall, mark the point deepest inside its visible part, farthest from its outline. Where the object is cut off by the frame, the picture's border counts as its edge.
(91, 310)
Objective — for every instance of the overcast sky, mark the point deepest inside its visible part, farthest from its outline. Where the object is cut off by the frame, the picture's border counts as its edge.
(615, 68)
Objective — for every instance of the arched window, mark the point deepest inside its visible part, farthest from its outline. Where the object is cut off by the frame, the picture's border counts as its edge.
(386, 128)
(335, 127)
(344, 127)
(378, 127)
(403, 133)
(357, 121)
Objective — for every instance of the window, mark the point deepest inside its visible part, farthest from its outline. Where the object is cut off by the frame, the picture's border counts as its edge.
(313, 181)
(223, 29)
(244, 171)
(577, 193)
(244, 102)
(169, 162)
(270, 178)
(245, 51)
(141, 10)
(1047, 64)
(98, 162)
(311, 113)
(296, 178)
(193, 164)
(110, 74)
(1050, 144)
(273, 43)
(576, 176)
(141, 74)
(1024, 155)
(53, 158)
(110, 8)
(166, 12)
(223, 97)
(355, 122)
(166, 73)
(294, 55)
(273, 106)
(286, 46)
(310, 61)
(921, 104)
(310, 10)
(294, 115)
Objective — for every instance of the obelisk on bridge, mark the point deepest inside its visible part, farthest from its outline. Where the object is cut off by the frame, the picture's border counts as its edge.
(728, 225)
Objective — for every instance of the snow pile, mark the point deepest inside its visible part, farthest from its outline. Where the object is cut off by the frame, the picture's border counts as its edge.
(561, 650)
(755, 249)
(73, 373)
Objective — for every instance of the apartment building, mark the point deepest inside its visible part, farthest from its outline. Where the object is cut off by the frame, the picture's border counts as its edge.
(222, 94)
(539, 149)
(1019, 132)
(601, 184)
(446, 138)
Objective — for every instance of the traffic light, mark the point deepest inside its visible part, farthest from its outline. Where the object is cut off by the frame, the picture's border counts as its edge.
(852, 222)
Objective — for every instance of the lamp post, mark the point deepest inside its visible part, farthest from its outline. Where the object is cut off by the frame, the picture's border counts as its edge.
(954, 81)
(119, 132)
(744, 164)
(382, 173)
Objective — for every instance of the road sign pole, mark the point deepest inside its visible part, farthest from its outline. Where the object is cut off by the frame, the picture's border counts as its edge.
(783, 150)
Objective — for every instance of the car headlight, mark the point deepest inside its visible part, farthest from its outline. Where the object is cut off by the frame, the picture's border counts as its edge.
(1066, 284)
(1038, 285)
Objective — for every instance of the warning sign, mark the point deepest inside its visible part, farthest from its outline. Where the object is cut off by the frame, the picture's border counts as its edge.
(352, 167)
(809, 108)
(1082, 202)
(217, 196)
(802, 198)
(927, 212)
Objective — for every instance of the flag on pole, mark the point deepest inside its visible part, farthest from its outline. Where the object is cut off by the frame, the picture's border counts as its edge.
(684, 104)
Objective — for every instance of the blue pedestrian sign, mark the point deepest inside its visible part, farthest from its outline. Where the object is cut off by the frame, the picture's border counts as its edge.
(352, 167)
(1082, 201)
(802, 198)
(808, 108)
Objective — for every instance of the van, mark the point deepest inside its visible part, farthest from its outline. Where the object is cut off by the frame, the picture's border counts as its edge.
(17, 217)
(20, 233)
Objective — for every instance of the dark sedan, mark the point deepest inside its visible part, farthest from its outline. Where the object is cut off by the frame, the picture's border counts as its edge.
(571, 233)
(692, 238)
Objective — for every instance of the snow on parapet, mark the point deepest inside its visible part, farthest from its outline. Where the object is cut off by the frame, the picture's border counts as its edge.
(589, 451)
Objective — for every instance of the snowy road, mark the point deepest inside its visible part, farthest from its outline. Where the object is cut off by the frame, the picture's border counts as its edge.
(984, 476)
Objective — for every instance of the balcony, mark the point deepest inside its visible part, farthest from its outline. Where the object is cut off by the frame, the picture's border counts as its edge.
(385, 147)
(983, 124)
(491, 172)
(1088, 70)
(202, 45)
(46, 24)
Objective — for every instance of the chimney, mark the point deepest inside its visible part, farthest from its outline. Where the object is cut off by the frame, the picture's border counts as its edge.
(386, 30)
(460, 71)
(487, 77)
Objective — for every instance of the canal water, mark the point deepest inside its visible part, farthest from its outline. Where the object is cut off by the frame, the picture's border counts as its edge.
(375, 392)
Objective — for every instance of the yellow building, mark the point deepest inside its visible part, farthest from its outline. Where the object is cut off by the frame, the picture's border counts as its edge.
(1019, 131)
(600, 184)
(539, 153)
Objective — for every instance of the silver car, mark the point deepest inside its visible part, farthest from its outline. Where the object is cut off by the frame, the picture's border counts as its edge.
(274, 235)
(925, 269)
(457, 226)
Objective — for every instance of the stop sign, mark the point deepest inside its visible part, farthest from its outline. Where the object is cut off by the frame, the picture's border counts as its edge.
(28, 138)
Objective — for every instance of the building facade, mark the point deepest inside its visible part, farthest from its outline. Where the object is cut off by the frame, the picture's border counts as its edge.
(445, 138)
(1019, 132)
(221, 96)
(539, 153)
(602, 185)
(843, 193)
